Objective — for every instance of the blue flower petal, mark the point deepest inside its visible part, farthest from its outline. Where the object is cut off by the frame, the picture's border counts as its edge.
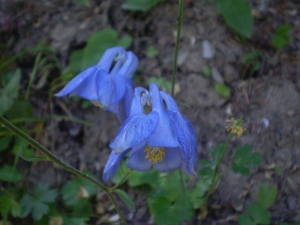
(137, 159)
(109, 56)
(170, 102)
(112, 165)
(164, 134)
(129, 66)
(134, 130)
(83, 85)
(110, 89)
(171, 161)
(136, 106)
(122, 108)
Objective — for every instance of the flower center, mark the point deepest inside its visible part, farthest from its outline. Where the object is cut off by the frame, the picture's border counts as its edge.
(155, 154)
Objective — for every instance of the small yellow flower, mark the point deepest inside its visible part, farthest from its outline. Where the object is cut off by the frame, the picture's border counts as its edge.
(235, 126)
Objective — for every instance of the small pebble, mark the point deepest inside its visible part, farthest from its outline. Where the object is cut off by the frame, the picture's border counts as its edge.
(207, 50)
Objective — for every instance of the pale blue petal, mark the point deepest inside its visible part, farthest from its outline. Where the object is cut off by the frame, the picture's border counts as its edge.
(134, 130)
(112, 165)
(170, 102)
(137, 159)
(83, 85)
(130, 66)
(109, 56)
(110, 89)
(187, 140)
(164, 134)
(171, 161)
(122, 108)
(136, 106)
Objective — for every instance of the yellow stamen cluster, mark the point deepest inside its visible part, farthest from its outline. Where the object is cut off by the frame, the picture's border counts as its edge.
(155, 154)
(235, 127)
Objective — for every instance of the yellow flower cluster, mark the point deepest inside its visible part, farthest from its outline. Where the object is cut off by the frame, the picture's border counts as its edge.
(154, 154)
(235, 127)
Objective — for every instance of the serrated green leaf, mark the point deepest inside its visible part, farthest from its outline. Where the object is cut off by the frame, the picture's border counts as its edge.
(267, 195)
(240, 169)
(39, 210)
(42, 193)
(243, 158)
(10, 174)
(76, 189)
(37, 205)
(75, 220)
(242, 151)
(166, 213)
(238, 16)
(245, 220)
(136, 178)
(9, 205)
(125, 198)
(259, 214)
(222, 90)
(83, 208)
(140, 5)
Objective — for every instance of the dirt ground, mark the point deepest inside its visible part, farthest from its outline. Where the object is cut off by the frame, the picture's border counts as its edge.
(269, 99)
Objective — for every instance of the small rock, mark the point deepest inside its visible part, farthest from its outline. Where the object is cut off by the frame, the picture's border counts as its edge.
(265, 122)
(208, 50)
(216, 75)
(114, 218)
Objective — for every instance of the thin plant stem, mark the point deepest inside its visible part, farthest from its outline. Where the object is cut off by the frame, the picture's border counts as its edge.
(179, 22)
(5, 123)
(216, 170)
(120, 182)
(182, 182)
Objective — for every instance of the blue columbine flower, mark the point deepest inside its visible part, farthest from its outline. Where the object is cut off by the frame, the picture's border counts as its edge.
(162, 139)
(107, 84)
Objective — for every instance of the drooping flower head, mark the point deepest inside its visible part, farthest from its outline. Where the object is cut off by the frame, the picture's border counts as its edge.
(107, 84)
(162, 139)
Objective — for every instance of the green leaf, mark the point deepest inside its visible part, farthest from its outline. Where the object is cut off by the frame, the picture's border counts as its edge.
(267, 195)
(206, 163)
(98, 43)
(37, 205)
(166, 213)
(281, 37)
(136, 178)
(206, 71)
(245, 220)
(10, 174)
(222, 90)
(140, 5)
(22, 149)
(13, 86)
(125, 198)
(259, 214)
(5, 141)
(76, 61)
(76, 189)
(151, 52)
(244, 158)
(9, 205)
(82, 2)
(237, 14)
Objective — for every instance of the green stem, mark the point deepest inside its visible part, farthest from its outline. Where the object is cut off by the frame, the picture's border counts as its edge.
(50, 155)
(182, 182)
(179, 22)
(120, 182)
(216, 170)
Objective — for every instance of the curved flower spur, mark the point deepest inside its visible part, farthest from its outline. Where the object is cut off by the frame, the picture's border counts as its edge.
(108, 84)
(162, 139)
